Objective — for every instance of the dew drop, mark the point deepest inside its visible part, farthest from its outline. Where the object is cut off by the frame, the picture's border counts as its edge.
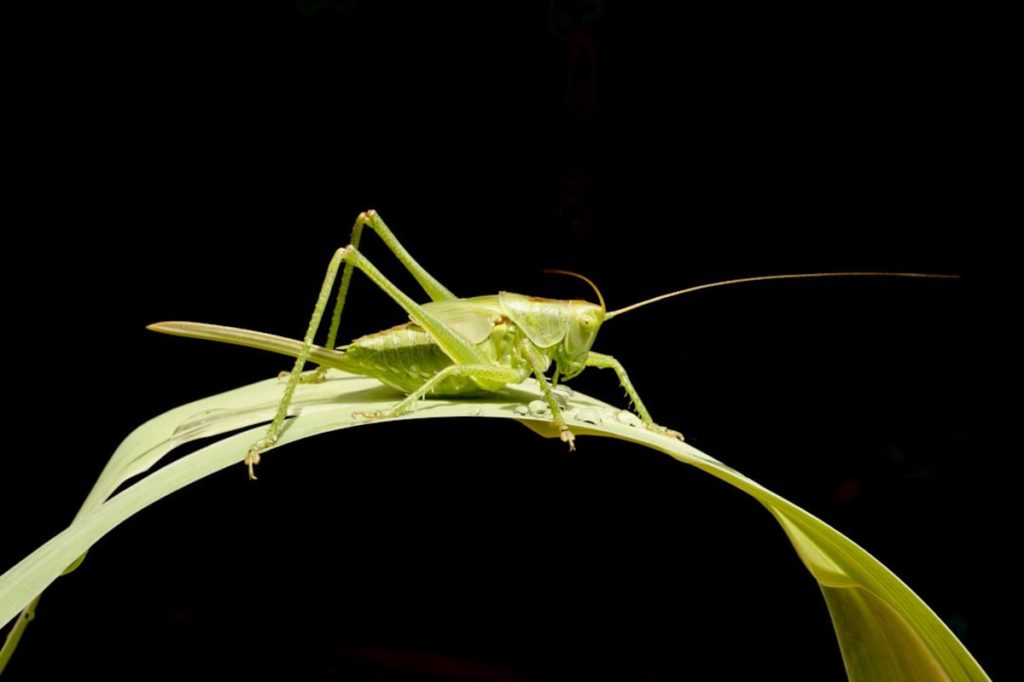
(563, 394)
(589, 415)
(539, 408)
(628, 418)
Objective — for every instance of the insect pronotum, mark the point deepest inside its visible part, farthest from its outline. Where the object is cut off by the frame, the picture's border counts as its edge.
(455, 346)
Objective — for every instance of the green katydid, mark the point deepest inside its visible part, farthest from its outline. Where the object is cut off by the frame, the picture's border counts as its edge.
(454, 346)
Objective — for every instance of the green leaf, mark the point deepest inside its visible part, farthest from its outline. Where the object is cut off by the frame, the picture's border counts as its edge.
(885, 631)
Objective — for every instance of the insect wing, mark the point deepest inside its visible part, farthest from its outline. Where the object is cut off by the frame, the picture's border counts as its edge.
(472, 318)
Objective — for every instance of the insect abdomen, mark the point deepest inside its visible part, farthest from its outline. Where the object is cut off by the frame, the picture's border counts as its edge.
(403, 357)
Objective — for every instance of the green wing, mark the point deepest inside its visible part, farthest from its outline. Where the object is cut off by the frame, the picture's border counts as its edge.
(471, 318)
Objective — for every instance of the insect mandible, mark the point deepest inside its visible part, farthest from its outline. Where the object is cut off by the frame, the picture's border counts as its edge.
(454, 347)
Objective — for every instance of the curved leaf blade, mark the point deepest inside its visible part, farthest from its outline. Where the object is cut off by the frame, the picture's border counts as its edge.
(884, 630)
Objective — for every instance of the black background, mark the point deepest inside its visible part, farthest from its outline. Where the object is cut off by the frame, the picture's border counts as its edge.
(202, 162)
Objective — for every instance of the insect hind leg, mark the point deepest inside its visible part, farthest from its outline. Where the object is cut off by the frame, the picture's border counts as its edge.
(252, 457)
(460, 350)
(371, 219)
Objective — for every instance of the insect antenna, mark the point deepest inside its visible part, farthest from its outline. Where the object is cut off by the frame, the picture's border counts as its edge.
(600, 298)
(763, 278)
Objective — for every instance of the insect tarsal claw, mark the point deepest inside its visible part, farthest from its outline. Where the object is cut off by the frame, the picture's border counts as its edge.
(252, 458)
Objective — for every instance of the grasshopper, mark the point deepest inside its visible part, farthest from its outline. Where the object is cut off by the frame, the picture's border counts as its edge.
(453, 347)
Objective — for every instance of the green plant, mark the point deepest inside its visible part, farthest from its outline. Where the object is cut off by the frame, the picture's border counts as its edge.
(885, 631)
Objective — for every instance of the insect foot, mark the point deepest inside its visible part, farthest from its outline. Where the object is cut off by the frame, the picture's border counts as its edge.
(252, 458)
(630, 419)
(314, 377)
(672, 433)
(568, 437)
(665, 431)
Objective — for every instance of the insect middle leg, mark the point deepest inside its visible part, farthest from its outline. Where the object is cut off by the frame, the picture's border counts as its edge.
(497, 374)
(491, 373)
(528, 351)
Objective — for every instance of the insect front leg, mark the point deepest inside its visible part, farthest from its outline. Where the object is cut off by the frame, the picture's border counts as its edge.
(608, 362)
